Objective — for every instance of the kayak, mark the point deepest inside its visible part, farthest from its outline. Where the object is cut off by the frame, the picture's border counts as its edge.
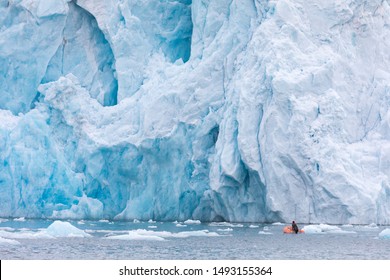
(289, 229)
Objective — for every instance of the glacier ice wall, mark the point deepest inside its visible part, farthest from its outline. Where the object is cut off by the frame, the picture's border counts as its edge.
(235, 110)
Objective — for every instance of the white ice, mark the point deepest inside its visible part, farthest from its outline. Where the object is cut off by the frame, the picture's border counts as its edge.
(142, 234)
(65, 229)
(325, 229)
(5, 241)
(385, 233)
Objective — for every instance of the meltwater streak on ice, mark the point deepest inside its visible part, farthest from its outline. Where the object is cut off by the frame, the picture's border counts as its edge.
(238, 111)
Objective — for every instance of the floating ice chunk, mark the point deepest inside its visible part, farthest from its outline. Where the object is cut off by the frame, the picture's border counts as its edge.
(81, 222)
(180, 225)
(104, 221)
(142, 234)
(225, 224)
(152, 226)
(278, 224)
(65, 229)
(385, 233)
(253, 226)
(4, 241)
(135, 221)
(265, 228)
(132, 235)
(220, 224)
(3, 220)
(371, 226)
(225, 229)
(151, 221)
(347, 226)
(197, 233)
(323, 228)
(7, 228)
(21, 219)
(264, 232)
(26, 234)
(192, 222)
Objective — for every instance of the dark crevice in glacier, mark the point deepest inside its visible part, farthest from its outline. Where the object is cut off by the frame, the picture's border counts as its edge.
(177, 37)
(85, 53)
(169, 25)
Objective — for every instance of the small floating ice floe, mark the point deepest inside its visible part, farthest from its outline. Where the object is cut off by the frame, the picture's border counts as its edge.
(5, 241)
(192, 222)
(323, 229)
(264, 232)
(225, 229)
(253, 226)
(142, 234)
(385, 233)
(21, 219)
(65, 229)
(180, 225)
(372, 226)
(347, 226)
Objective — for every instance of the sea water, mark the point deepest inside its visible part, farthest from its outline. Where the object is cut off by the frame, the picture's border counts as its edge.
(192, 240)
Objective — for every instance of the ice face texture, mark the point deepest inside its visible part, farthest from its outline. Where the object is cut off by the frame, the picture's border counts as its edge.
(211, 110)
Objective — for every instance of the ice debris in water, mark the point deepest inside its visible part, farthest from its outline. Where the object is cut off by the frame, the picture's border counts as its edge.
(192, 222)
(142, 234)
(5, 241)
(262, 232)
(239, 111)
(324, 228)
(385, 233)
(180, 225)
(65, 229)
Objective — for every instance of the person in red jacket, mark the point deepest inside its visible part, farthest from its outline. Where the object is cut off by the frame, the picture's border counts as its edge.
(295, 227)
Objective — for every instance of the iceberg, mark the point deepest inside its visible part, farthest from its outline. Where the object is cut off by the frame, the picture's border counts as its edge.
(385, 234)
(65, 229)
(325, 229)
(214, 111)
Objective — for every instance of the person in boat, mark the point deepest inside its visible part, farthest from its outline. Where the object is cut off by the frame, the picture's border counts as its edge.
(295, 227)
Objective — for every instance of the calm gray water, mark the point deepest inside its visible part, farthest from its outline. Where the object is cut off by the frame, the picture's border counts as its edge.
(29, 239)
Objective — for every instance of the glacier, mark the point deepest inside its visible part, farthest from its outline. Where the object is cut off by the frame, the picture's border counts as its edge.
(210, 110)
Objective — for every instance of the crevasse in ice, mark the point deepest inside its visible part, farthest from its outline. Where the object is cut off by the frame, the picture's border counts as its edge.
(211, 110)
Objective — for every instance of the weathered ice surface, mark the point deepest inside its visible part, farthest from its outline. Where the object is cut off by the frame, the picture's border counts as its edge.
(213, 110)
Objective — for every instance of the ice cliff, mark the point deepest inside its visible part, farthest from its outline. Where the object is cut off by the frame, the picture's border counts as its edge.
(217, 110)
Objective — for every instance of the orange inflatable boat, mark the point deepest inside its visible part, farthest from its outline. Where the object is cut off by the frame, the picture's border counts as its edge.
(289, 229)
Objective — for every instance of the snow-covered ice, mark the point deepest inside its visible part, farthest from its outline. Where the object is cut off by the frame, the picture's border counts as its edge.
(385, 233)
(192, 222)
(324, 229)
(262, 232)
(65, 229)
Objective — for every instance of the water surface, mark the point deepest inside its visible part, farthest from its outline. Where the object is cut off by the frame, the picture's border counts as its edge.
(28, 239)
